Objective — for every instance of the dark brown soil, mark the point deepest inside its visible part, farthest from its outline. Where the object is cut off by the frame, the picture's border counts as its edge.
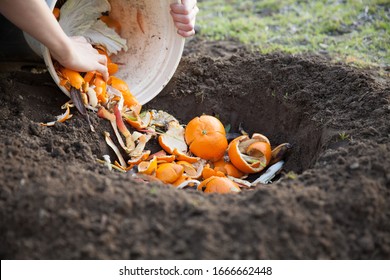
(56, 202)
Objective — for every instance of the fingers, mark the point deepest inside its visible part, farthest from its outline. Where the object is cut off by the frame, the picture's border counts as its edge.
(186, 33)
(184, 8)
(86, 58)
(102, 69)
(102, 59)
(184, 27)
(102, 66)
(184, 16)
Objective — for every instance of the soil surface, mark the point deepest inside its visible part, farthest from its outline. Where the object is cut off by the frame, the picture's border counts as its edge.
(332, 201)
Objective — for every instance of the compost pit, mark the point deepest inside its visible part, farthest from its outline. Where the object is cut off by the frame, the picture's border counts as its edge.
(57, 203)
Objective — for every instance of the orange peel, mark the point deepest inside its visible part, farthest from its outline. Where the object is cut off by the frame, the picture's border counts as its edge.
(148, 167)
(130, 144)
(139, 149)
(190, 170)
(173, 139)
(111, 144)
(129, 99)
(169, 172)
(227, 168)
(217, 184)
(61, 118)
(163, 157)
(73, 77)
(208, 172)
(184, 156)
(138, 122)
(256, 161)
(184, 182)
(136, 160)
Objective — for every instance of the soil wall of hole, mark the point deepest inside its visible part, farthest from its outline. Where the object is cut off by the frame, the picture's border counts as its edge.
(56, 202)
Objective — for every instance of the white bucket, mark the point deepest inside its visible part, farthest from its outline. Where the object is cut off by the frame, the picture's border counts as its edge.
(152, 57)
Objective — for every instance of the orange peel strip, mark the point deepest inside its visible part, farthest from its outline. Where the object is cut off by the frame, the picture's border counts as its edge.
(111, 144)
(139, 149)
(184, 157)
(148, 167)
(136, 160)
(61, 118)
(130, 145)
(105, 114)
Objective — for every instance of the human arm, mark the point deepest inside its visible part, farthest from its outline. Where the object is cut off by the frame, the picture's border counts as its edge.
(35, 18)
(184, 16)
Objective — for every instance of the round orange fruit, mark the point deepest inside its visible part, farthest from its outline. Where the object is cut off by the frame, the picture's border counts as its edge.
(206, 137)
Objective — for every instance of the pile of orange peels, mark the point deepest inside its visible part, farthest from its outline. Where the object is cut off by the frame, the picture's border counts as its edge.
(196, 155)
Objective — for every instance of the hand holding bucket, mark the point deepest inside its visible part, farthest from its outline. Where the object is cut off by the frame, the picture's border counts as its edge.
(154, 47)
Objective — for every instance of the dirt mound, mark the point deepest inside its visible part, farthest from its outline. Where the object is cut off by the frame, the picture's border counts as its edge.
(331, 202)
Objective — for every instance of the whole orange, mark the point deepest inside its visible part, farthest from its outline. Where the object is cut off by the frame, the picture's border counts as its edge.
(206, 137)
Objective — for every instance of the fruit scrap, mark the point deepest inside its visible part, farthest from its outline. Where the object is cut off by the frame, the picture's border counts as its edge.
(107, 161)
(169, 172)
(130, 145)
(148, 167)
(173, 139)
(105, 114)
(240, 182)
(173, 142)
(139, 149)
(190, 170)
(138, 121)
(269, 174)
(92, 97)
(162, 157)
(61, 118)
(161, 119)
(129, 100)
(227, 168)
(206, 137)
(210, 172)
(280, 152)
(115, 149)
(136, 160)
(111, 166)
(250, 155)
(186, 183)
(217, 184)
(71, 78)
(75, 95)
(185, 156)
(100, 89)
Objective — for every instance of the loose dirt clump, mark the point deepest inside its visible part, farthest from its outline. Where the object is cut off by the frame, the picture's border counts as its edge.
(331, 201)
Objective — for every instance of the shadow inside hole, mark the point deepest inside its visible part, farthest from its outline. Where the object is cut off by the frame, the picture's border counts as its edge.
(253, 106)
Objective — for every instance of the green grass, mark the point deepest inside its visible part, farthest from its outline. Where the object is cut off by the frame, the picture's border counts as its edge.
(356, 31)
